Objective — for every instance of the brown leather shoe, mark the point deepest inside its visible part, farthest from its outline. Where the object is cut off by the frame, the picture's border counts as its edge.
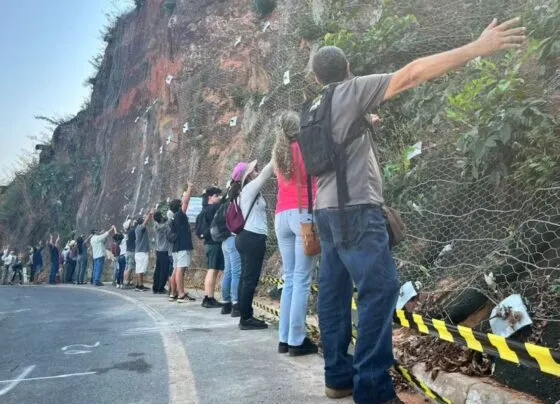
(337, 393)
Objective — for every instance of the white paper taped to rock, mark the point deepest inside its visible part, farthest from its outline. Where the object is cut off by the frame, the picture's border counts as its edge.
(406, 293)
(169, 79)
(147, 160)
(161, 150)
(509, 316)
(133, 170)
(186, 127)
(286, 77)
(233, 121)
(168, 139)
(415, 151)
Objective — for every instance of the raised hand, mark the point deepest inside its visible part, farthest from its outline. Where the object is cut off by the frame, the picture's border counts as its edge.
(499, 37)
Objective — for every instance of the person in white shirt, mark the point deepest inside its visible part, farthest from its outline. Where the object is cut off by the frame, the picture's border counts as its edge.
(6, 263)
(251, 242)
(98, 252)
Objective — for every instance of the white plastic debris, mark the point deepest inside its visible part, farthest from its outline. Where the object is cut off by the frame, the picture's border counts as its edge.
(186, 127)
(415, 151)
(147, 160)
(168, 140)
(406, 293)
(137, 119)
(266, 26)
(237, 42)
(155, 101)
(168, 200)
(233, 121)
(262, 101)
(491, 281)
(161, 150)
(169, 79)
(133, 170)
(286, 77)
(509, 316)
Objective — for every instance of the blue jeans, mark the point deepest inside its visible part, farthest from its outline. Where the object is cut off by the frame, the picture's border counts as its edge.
(54, 271)
(232, 271)
(121, 262)
(98, 264)
(82, 268)
(365, 261)
(297, 276)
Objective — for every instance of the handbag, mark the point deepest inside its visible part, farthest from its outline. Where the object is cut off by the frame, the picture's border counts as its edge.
(395, 226)
(309, 234)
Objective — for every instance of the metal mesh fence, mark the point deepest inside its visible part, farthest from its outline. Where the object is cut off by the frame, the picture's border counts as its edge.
(482, 211)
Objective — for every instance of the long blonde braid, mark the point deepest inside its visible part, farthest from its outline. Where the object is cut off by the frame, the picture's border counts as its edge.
(286, 128)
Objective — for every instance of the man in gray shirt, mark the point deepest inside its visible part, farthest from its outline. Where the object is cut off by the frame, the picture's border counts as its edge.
(141, 255)
(163, 246)
(360, 254)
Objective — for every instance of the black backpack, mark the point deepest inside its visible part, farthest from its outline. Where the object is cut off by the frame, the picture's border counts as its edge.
(320, 153)
(218, 229)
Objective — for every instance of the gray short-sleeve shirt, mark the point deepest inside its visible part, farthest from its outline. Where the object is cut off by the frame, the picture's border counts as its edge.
(351, 99)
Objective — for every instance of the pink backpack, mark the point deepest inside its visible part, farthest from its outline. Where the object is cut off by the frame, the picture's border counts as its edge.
(235, 222)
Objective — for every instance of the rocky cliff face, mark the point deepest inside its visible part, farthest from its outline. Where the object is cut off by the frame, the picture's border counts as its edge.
(179, 96)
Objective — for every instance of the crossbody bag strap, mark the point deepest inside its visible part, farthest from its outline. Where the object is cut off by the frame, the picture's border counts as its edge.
(251, 208)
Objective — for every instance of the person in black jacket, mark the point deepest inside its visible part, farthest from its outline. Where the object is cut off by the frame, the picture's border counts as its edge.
(213, 249)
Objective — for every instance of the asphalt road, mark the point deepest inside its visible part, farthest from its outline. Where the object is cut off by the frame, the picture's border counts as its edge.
(69, 344)
(73, 346)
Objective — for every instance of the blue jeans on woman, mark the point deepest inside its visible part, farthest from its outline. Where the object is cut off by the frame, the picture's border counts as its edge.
(121, 262)
(98, 264)
(364, 260)
(232, 271)
(54, 271)
(297, 275)
(82, 268)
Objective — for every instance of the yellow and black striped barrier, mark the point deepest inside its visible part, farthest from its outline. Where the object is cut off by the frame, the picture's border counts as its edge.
(313, 330)
(404, 372)
(545, 359)
(279, 282)
(538, 357)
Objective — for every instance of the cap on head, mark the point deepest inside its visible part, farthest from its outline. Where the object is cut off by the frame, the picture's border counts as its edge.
(242, 171)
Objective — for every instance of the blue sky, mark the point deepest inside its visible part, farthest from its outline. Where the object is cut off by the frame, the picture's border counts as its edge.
(45, 50)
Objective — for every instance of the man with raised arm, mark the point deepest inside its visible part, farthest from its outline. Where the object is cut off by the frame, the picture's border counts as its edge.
(97, 242)
(358, 253)
(181, 237)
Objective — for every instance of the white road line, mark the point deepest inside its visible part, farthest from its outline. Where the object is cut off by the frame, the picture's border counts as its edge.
(47, 377)
(16, 381)
(182, 389)
(15, 311)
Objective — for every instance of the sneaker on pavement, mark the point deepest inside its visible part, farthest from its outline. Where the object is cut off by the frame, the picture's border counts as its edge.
(337, 393)
(306, 348)
(235, 310)
(226, 308)
(282, 347)
(138, 289)
(172, 298)
(184, 299)
(252, 324)
(210, 303)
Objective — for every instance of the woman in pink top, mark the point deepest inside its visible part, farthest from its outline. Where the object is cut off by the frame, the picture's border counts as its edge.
(288, 166)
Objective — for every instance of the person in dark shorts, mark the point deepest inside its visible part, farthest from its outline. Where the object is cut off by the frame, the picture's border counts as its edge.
(212, 249)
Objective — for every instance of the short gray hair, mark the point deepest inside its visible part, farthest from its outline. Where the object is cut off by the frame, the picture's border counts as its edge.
(330, 65)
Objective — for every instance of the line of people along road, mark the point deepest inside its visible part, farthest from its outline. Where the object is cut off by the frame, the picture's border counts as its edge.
(335, 145)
